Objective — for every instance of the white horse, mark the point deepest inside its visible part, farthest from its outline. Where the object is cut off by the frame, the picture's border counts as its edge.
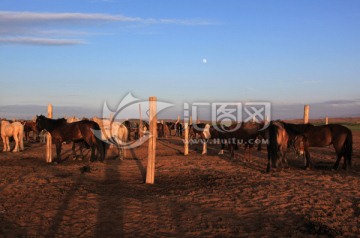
(72, 119)
(16, 130)
(113, 131)
(42, 136)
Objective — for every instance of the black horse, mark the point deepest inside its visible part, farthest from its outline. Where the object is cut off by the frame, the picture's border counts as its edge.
(319, 136)
(171, 126)
(61, 131)
(179, 129)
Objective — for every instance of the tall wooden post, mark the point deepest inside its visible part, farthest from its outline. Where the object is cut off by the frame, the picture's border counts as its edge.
(190, 120)
(48, 138)
(306, 114)
(150, 172)
(140, 124)
(326, 120)
(186, 143)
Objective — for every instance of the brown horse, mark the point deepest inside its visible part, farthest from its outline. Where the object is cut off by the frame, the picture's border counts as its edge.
(278, 145)
(244, 133)
(61, 131)
(319, 136)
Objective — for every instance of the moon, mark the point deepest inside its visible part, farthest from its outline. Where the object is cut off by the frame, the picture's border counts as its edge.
(204, 61)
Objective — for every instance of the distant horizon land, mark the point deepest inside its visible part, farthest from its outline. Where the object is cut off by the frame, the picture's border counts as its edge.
(282, 112)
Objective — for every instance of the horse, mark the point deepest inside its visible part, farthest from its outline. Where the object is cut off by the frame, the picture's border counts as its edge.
(28, 127)
(114, 133)
(246, 133)
(72, 119)
(42, 136)
(319, 136)
(61, 131)
(202, 130)
(278, 144)
(171, 126)
(179, 129)
(160, 130)
(15, 130)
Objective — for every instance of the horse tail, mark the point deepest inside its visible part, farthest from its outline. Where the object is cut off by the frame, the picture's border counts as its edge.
(348, 147)
(100, 144)
(21, 137)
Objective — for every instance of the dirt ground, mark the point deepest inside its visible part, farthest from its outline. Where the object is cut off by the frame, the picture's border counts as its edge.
(193, 196)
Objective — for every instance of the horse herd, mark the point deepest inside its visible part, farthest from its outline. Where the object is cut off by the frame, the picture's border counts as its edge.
(97, 134)
(280, 137)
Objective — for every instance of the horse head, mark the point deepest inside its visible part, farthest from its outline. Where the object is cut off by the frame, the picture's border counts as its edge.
(299, 144)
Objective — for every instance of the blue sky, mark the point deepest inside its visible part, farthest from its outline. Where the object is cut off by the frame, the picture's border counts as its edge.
(84, 52)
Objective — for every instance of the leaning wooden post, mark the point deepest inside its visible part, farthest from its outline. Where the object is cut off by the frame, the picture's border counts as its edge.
(186, 141)
(306, 114)
(48, 137)
(326, 120)
(150, 172)
(140, 124)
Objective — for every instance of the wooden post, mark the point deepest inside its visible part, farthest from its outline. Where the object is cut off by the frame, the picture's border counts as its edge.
(190, 120)
(48, 157)
(186, 143)
(140, 124)
(306, 114)
(150, 172)
(326, 120)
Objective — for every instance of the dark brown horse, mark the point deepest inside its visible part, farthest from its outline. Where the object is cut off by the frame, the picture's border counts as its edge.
(28, 127)
(61, 131)
(171, 126)
(319, 136)
(245, 133)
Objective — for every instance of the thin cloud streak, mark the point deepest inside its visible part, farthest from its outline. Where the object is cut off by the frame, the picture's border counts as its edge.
(39, 41)
(38, 17)
(29, 28)
(46, 17)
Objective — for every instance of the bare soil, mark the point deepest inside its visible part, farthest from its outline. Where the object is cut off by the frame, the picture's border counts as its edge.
(193, 196)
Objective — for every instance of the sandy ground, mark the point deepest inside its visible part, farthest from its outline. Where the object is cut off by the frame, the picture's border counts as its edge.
(193, 196)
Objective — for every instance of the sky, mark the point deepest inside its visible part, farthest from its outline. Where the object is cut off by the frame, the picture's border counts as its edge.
(78, 54)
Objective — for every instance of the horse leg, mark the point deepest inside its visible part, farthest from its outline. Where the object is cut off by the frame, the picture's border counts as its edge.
(4, 142)
(81, 151)
(250, 159)
(308, 163)
(92, 156)
(8, 144)
(73, 150)
(21, 140)
(16, 138)
(58, 151)
(232, 153)
(204, 152)
(268, 168)
(222, 149)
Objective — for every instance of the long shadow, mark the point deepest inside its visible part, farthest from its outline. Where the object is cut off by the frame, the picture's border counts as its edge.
(110, 217)
(139, 165)
(166, 145)
(62, 209)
